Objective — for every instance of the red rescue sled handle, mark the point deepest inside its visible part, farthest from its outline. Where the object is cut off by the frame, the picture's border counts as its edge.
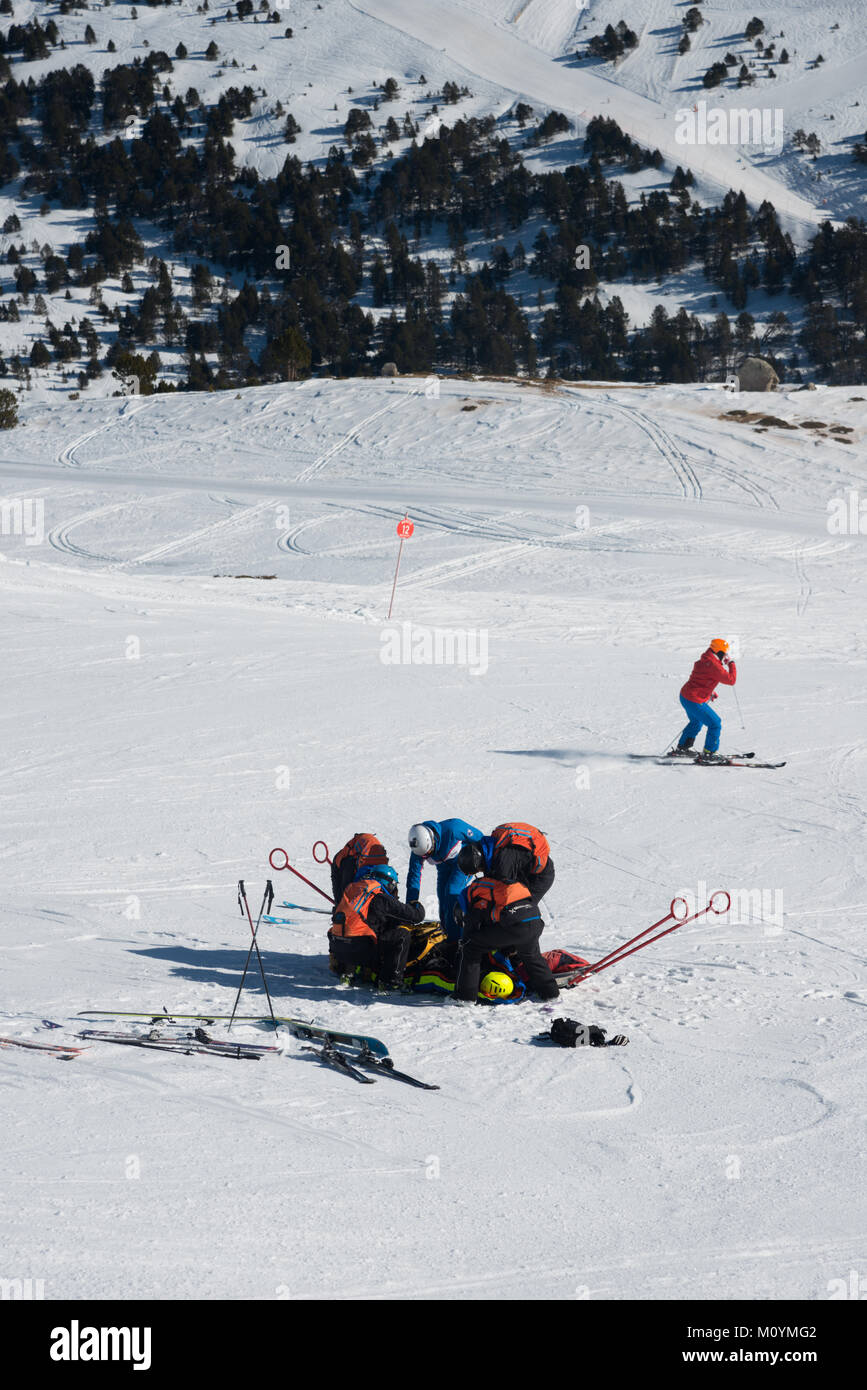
(287, 865)
(325, 859)
(620, 952)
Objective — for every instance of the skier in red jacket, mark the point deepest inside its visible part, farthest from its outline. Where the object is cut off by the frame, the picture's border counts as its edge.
(713, 668)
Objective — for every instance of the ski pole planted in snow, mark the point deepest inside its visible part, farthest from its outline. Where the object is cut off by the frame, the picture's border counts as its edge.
(267, 900)
(405, 529)
(287, 865)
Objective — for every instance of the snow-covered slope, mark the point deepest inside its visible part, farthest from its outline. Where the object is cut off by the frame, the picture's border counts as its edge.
(165, 724)
(504, 56)
(507, 49)
(829, 98)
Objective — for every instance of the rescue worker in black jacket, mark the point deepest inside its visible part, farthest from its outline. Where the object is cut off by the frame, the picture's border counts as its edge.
(363, 851)
(498, 916)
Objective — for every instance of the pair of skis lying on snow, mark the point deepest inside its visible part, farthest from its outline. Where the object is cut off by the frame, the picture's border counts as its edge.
(352, 1053)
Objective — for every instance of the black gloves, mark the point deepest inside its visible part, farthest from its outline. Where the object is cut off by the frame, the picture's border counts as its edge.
(567, 1033)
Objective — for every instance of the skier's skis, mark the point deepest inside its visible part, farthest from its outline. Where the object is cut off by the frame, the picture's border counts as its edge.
(181, 1041)
(728, 760)
(226, 1044)
(157, 1044)
(333, 1057)
(299, 1028)
(300, 907)
(734, 761)
(364, 1058)
(59, 1051)
(386, 1067)
(685, 754)
(357, 1041)
(699, 756)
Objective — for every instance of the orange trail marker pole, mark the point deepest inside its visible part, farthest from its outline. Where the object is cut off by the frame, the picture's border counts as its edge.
(405, 529)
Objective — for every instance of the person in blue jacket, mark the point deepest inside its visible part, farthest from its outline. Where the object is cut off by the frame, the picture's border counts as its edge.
(440, 843)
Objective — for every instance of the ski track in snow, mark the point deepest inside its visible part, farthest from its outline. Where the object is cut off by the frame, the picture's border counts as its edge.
(217, 530)
(677, 460)
(460, 568)
(131, 408)
(351, 434)
(58, 536)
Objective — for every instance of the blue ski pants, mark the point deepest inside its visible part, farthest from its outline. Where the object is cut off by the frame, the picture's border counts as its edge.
(450, 884)
(702, 715)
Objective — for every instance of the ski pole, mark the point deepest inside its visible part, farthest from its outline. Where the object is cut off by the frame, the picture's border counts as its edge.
(267, 903)
(268, 899)
(620, 952)
(288, 866)
(738, 703)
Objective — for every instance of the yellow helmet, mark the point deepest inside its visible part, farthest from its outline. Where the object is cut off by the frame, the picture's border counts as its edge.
(496, 985)
(719, 644)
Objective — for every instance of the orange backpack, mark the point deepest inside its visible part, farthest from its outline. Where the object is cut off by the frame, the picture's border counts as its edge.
(522, 836)
(365, 849)
(354, 907)
(492, 897)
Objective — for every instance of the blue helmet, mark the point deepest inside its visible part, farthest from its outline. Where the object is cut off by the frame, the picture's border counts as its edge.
(385, 875)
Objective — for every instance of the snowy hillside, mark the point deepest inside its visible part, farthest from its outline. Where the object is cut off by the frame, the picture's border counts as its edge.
(173, 165)
(167, 722)
(528, 52)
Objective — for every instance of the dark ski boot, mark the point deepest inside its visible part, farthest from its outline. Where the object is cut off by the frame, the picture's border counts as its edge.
(683, 750)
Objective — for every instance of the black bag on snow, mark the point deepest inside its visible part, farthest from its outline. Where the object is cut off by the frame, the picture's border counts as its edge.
(567, 1033)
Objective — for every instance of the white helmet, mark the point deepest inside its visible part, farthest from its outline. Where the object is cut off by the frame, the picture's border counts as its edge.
(421, 841)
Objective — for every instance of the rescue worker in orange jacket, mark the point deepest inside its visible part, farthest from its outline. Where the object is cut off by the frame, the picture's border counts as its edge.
(362, 852)
(514, 853)
(371, 929)
(497, 916)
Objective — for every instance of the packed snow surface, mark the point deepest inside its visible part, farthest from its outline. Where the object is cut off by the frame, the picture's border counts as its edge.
(166, 723)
